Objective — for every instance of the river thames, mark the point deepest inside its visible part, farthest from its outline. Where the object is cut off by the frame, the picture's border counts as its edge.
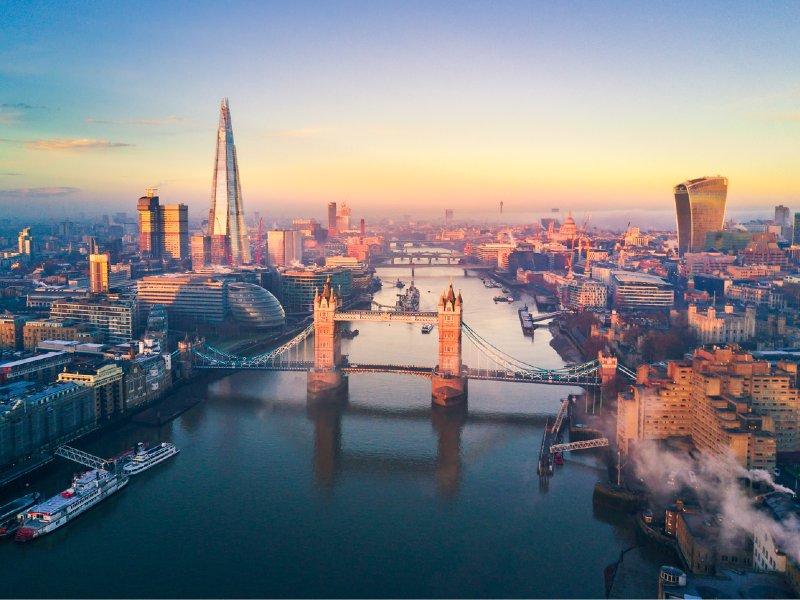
(377, 496)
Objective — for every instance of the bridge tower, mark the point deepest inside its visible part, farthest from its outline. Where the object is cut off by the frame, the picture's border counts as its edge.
(326, 379)
(449, 384)
(608, 368)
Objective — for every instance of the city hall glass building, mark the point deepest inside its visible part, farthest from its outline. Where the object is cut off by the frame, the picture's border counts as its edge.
(700, 209)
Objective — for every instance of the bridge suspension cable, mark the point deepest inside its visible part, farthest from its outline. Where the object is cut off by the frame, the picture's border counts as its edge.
(514, 364)
(225, 359)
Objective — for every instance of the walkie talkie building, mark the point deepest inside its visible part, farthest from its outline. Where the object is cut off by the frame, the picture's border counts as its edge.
(700, 208)
(226, 226)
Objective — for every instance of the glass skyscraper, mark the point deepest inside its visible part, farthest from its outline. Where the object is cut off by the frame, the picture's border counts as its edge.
(226, 226)
(700, 208)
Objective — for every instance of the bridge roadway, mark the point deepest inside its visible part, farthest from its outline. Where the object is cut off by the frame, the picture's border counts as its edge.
(546, 377)
(386, 316)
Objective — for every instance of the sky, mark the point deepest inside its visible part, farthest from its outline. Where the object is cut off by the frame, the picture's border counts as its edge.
(399, 107)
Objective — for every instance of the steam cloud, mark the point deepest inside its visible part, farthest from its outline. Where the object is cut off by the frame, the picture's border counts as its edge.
(719, 490)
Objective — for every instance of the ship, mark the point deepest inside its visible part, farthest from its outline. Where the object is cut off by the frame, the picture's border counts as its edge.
(87, 490)
(503, 299)
(149, 457)
(525, 320)
(409, 300)
(427, 328)
(9, 512)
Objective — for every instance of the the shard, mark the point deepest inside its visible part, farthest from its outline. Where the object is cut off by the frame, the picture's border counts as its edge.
(226, 226)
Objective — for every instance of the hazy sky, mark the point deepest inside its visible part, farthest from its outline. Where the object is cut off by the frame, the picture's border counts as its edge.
(399, 106)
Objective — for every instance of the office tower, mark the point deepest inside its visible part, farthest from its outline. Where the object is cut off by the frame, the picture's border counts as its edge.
(149, 230)
(25, 242)
(201, 251)
(332, 218)
(362, 227)
(284, 247)
(782, 216)
(98, 273)
(700, 208)
(163, 230)
(343, 218)
(226, 226)
(796, 230)
(174, 222)
(448, 217)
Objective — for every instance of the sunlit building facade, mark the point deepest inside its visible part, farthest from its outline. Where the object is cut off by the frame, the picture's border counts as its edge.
(700, 208)
(226, 226)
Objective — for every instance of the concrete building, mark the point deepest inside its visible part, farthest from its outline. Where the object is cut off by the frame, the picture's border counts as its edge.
(105, 381)
(37, 417)
(727, 241)
(757, 294)
(768, 553)
(713, 327)
(640, 291)
(37, 367)
(709, 263)
(36, 331)
(284, 247)
(737, 404)
(189, 299)
(163, 229)
(332, 219)
(700, 208)
(25, 243)
(763, 249)
(115, 317)
(586, 293)
(11, 332)
(298, 287)
(707, 549)
(98, 273)
(201, 251)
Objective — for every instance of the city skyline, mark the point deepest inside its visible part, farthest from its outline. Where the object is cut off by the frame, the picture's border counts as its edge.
(428, 106)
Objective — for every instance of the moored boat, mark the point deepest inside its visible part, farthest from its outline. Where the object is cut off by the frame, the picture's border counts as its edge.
(9, 512)
(144, 458)
(87, 490)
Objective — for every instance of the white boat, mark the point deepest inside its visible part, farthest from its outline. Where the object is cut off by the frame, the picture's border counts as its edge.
(427, 328)
(144, 458)
(87, 490)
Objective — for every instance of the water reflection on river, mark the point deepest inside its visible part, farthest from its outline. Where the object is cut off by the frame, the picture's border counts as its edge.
(376, 496)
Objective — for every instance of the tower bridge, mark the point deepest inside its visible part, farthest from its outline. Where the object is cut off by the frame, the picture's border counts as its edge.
(329, 370)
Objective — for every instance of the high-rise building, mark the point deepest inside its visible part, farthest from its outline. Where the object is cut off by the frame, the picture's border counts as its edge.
(149, 230)
(284, 247)
(796, 230)
(226, 226)
(782, 216)
(175, 231)
(332, 219)
(98, 273)
(25, 242)
(343, 218)
(115, 317)
(201, 251)
(163, 230)
(700, 208)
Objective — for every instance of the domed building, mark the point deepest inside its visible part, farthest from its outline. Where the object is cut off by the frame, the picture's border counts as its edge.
(254, 306)
(568, 230)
